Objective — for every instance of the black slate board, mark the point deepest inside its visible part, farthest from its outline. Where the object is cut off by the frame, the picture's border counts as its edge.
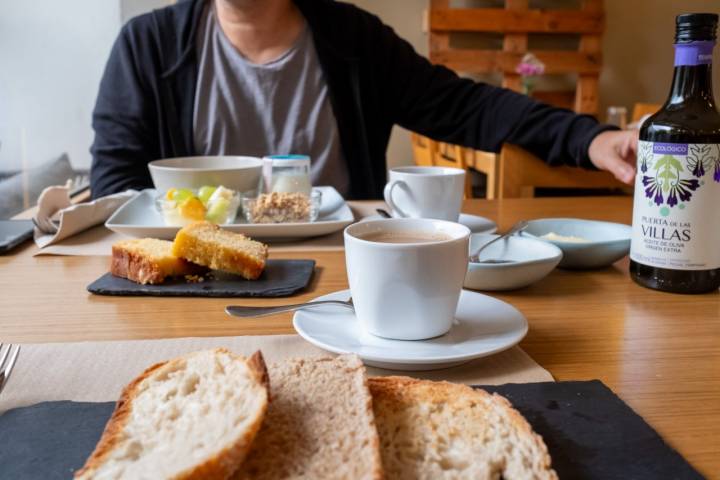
(590, 432)
(280, 278)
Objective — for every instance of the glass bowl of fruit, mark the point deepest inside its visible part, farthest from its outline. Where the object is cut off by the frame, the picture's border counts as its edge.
(181, 206)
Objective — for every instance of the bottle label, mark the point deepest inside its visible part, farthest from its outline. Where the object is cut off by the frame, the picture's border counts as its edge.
(694, 53)
(677, 199)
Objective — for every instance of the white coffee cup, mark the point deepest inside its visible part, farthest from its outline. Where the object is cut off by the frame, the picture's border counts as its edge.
(408, 290)
(425, 192)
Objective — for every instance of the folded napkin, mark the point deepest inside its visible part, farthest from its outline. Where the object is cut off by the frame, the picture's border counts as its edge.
(57, 218)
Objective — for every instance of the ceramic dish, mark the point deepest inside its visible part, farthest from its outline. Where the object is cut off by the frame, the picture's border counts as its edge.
(483, 326)
(532, 260)
(140, 218)
(241, 174)
(604, 242)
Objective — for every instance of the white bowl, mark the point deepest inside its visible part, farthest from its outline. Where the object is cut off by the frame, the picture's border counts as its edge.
(533, 260)
(606, 243)
(237, 173)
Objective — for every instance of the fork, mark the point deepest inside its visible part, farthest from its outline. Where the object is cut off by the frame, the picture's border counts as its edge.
(247, 312)
(6, 365)
(46, 225)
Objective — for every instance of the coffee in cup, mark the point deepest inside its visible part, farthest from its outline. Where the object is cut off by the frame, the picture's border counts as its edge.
(406, 275)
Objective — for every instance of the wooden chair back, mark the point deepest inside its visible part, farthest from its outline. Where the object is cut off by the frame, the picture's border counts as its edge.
(642, 109)
(423, 149)
(427, 152)
(521, 173)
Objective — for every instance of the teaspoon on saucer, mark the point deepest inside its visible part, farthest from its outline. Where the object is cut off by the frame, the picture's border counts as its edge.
(248, 312)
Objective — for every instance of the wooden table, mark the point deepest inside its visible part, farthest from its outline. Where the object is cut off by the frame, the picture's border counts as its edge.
(660, 352)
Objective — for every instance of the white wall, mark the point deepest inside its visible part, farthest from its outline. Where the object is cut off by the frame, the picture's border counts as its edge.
(52, 55)
(406, 17)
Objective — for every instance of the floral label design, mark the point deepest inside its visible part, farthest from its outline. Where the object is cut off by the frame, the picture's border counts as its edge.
(677, 191)
(671, 172)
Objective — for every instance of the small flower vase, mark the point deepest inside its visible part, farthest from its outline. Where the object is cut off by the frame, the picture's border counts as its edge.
(528, 86)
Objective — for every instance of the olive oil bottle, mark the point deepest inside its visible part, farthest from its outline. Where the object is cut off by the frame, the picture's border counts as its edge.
(676, 213)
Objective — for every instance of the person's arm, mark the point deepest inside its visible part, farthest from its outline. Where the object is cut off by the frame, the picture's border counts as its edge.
(124, 122)
(433, 101)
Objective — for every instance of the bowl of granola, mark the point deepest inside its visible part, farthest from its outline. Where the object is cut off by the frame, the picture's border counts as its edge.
(282, 207)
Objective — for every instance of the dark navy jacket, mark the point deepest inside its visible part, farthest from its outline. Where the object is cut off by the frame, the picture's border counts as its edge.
(144, 109)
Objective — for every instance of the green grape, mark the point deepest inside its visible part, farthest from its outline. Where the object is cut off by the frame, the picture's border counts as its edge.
(182, 194)
(205, 192)
(218, 211)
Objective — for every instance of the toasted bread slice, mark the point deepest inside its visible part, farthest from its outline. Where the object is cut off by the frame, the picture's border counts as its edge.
(148, 260)
(207, 244)
(193, 417)
(319, 424)
(440, 430)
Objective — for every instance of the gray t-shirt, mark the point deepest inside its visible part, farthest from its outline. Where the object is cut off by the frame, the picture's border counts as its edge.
(281, 107)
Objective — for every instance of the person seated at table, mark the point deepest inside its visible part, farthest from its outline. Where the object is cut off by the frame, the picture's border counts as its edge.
(315, 77)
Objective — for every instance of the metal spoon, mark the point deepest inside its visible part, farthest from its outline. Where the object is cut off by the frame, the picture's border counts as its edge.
(383, 213)
(518, 227)
(248, 312)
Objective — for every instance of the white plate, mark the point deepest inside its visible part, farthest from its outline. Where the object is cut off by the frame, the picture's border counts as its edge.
(483, 326)
(475, 223)
(140, 218)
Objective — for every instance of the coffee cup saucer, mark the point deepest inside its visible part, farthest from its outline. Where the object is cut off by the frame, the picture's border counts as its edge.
(477, 224)
(483, 326)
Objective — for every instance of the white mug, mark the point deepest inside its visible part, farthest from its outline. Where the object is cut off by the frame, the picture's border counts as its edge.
(406, 291)
(425, 192)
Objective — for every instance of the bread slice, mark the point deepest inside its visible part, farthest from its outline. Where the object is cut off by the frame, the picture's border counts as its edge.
(207, 244)
(441, 430)
(148, 260)
(319, 424)
(193, 417)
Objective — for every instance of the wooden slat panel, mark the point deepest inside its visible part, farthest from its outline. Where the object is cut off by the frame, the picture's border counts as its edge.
(512, 81)
(557, 98)
(515, 43)
(515, 21)
(586, 97)
(499, 61)
(439, 40)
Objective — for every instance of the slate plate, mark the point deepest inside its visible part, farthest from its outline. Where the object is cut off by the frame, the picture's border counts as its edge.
(590, 432)
(280, 278)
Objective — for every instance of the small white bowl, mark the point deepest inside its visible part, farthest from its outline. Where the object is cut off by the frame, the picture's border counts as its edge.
(533, 260)
(241, 174)
(606, 242)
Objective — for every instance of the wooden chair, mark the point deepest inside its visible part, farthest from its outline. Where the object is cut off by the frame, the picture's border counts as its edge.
(515, 23)
(428, 152)
(423, 149)
(642, 109)
(521, 173)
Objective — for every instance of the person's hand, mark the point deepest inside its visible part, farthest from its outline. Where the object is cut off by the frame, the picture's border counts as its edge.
(616, 152)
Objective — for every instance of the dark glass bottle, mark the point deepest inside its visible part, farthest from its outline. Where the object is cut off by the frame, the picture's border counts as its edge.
(676, 213)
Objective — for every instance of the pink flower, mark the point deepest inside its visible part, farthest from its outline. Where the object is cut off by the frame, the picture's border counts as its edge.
(530, 66)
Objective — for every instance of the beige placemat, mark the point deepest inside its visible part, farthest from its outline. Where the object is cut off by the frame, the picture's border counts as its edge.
(98, 240)
(94, 242)
(97, 371)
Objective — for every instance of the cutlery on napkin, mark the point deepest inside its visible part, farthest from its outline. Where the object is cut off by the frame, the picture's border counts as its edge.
(57, 218)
